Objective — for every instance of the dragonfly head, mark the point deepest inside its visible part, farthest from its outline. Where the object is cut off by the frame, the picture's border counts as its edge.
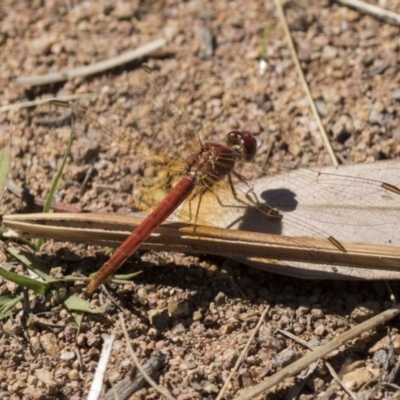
(243, 144)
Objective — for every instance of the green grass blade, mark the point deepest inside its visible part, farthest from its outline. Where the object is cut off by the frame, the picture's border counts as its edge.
(127, 277)
(22, 280)
(74, 303)
(7, 303)
(31, 262)
(58, 176)
(4, 300)
(54, 185)
(5, 160)
(120, 277)
(264, 42)
(78, 317)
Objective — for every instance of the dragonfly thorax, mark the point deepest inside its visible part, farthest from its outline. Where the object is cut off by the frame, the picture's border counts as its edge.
(212, 163)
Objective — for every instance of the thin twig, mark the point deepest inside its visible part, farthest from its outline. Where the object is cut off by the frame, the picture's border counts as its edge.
(128, 386)
(294, 368)
(235, 368)
(385, 15)
(97, 383)
(295, 391)
(341, 383)
(93, 68)
(38, 102)
(124, 389)
(111, 298)
(327, 363)
(304, 82)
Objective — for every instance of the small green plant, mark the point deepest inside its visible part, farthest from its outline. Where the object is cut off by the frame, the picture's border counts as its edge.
(5, 159)
(40, 280)
(42, 283)
(47, 206)
(264, 42)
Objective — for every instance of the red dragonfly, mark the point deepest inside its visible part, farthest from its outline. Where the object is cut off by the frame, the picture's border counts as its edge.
(202, 173)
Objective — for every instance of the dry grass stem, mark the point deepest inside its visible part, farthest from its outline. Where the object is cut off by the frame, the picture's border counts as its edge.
(292, 49)
(110, 230)
(243, 353)
(328, 365)
(296, 367)
(145, 372)
(92, 69)
(97, 383)
(38, 102)
(377, 12)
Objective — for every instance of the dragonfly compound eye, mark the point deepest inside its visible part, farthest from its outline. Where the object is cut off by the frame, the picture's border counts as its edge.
(242, 143)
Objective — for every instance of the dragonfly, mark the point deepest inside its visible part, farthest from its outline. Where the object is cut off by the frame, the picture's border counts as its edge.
(204, 181)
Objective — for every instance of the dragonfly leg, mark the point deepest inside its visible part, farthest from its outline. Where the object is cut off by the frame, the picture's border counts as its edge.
(268, 211)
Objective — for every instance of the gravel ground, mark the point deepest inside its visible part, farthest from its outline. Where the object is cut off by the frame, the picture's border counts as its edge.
(199, 311)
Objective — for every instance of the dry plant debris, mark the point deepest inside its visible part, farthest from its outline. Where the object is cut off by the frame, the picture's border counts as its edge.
(229, 66)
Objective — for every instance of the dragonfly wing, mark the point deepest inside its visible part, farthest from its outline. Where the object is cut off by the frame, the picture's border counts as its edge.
(331, 203)
(155, 135)
(307, 203)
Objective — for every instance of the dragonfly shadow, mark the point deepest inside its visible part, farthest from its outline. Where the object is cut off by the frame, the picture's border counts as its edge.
(267, 217)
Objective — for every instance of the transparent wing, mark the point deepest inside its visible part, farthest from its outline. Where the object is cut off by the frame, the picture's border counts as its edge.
(304, 202)
(337, 205)
(153, 124)
(153, 135)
